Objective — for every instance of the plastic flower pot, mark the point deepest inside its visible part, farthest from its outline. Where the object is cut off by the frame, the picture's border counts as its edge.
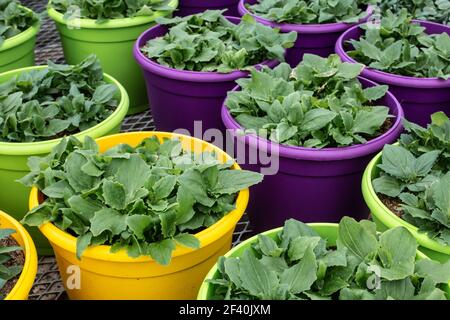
(419, 97)
(327, 231)
(310, 185)
(14, 156)
(180, 98)
(105, 275)
(188, 7)
(18, 51)
(112, 42)
(318, 39)
(386, 219)
(26, 279)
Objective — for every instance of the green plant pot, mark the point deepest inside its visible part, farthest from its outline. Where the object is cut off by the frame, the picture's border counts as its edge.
(327, 231)
(112, 42)
(18, 51)
(14, 156)
(386, 219)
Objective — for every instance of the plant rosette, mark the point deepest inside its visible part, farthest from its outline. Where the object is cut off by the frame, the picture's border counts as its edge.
(420, 96)
(189, 7)
(161, 208)
(112, 41)
(326, 261)
(180, 97)
(293, 141)
(14, 155)
(408, 184)
(429, 10)
(312, 38)
(17, 43)
(29, 269)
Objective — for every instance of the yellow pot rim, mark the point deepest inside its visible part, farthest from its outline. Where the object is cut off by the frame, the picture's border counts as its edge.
(26, 279)
(39, 147)
(102, 252)
(111, 23)
(22, 37)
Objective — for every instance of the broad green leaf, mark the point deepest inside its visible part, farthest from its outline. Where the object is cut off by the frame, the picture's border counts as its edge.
(187, 240)
(357, 239)
(107, 219)
(302, 275)
(162, 251)
(397, 253)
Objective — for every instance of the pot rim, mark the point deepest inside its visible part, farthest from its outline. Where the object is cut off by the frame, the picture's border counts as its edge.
(26, 279)
(391, 78)
(111, 23)
(33, 148)
(184, 75)
(304, 28)
(22, 37)
(203, 292)
(102, 252)
(325, 154)
(387, 217)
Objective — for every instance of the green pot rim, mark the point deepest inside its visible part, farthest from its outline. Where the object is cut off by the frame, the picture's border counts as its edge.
(22, 37)
(111, 23)
(41, 147)
(387, 217)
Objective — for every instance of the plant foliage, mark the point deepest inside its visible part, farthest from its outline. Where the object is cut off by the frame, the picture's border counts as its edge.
(311, 12)
(14, 19)
(143, 199)
(209, 42)
(7, 270)
(318, 104)
(299, 264)
(416, 174)
(104, 10)
(397, 45)
(49, 103)
(430, 10)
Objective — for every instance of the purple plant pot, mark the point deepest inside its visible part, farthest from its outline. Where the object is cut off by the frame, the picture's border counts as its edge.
(318, 39)
(180, 98)
(311, 185)
(419, 97)
(188, 7)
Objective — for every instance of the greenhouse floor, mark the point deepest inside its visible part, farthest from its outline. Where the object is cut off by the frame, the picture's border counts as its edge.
(48, 284)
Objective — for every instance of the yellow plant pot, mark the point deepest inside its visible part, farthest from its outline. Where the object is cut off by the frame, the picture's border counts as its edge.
(26, 279)
(104, 275)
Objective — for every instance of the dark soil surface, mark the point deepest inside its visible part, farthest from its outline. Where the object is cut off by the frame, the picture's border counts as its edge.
(393, 204)
(17, 259)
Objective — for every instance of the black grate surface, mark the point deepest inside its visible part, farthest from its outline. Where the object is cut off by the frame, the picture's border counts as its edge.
(48, 284)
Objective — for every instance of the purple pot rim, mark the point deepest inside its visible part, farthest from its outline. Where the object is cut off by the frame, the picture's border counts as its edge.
(326, 154)
(390, 78)
(185, 75)
(304, 28)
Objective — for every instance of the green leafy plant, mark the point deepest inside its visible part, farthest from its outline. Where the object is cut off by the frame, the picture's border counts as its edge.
(144, 199)
(14, 19)
(8, 270)
(320, 103)
(397, 45)
(431, 10)
(104, 10)
(209, 42)
(52, 102)
(298, 264)
(415, 174)
(311, 12)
